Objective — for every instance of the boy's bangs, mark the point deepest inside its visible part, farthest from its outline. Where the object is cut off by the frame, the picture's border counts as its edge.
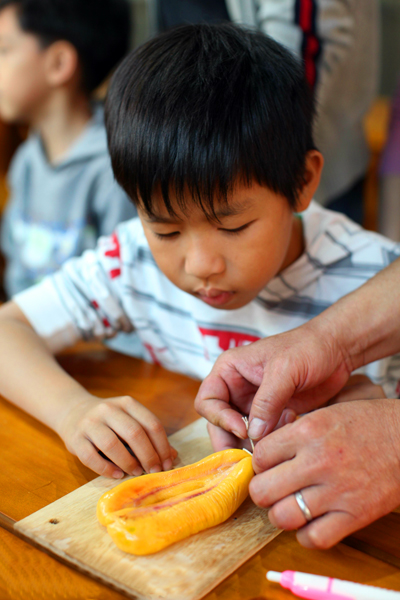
(200, 108)
(185, 167)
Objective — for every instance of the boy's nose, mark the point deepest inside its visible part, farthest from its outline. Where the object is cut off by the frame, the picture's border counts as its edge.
(203, 261)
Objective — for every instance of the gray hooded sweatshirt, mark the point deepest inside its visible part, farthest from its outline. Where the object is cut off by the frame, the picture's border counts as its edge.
(57, 211)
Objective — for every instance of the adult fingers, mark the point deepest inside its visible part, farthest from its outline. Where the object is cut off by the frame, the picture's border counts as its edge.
(213, 403)
(286, 513)
(275, 391)
(281, 481)
(303, 372)
(279, 446)
(288, 416)
(328, 530)
(221, 439)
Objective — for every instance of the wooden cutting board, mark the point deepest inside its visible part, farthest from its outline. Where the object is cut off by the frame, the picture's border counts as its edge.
(187, 570)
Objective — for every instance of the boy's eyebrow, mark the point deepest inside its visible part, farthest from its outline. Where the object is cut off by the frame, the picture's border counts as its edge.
(161, 219)
(228, 210)
(232, 209)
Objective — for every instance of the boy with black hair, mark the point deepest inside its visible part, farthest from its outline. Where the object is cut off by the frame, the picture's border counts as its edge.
(53, 54)
(210, 134)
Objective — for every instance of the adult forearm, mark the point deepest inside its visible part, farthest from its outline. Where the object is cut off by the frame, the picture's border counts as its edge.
(366, 323)
(31, 378)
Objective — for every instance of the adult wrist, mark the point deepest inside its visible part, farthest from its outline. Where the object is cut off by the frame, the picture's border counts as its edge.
(329, 333)
(360, 329)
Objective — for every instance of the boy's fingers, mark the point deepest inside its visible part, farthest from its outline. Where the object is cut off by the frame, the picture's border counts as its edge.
(105, 437)
(137, 439)
(156, 451)
(89, 456)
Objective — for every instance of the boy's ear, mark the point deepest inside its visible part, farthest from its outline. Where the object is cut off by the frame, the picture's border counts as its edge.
(62, 63)
(312, 176)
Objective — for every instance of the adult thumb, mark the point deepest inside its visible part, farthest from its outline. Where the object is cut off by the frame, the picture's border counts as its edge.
(268, 404)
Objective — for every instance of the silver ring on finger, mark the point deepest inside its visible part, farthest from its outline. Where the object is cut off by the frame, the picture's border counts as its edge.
(303, 506)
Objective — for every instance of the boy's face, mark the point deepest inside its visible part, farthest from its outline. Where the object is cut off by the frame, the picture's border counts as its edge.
(225, 264)
(22, 69)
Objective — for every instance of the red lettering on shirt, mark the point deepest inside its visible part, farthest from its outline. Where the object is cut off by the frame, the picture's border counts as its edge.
(152, 352)
(229, 339)
(115, 273)
(95, 304)
(115, 252)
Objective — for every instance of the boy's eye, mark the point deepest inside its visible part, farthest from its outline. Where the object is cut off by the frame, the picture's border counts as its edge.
(166, 236)
(238, 229)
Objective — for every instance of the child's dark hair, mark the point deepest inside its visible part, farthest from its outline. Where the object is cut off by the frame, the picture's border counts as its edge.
(98, 29)
(200, 106)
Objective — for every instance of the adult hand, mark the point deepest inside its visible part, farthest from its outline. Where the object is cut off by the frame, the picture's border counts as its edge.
(345, 460)
(272, 380)
(303, 368)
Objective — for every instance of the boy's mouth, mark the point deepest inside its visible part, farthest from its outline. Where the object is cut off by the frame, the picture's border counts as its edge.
(214, 297)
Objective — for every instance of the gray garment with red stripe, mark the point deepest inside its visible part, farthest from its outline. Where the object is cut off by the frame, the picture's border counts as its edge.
(347, 66)
(339, 39)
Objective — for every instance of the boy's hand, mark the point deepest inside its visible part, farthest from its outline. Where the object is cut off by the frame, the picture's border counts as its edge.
(94, 425)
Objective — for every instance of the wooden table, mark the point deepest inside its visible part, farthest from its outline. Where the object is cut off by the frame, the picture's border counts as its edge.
(36, 469)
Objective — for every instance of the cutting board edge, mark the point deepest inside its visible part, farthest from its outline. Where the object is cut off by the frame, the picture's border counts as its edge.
(65, 559)
(69, 561)
(192, 433)
(237, 566)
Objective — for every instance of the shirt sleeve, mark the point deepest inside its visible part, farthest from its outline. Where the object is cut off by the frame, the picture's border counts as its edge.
(82, 300)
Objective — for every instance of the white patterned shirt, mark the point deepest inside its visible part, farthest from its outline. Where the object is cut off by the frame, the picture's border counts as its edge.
(118, 287)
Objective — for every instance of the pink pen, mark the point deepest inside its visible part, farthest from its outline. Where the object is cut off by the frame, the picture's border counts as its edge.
(315, 587)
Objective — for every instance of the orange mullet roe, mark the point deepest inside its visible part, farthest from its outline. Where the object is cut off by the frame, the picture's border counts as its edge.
(148, 513)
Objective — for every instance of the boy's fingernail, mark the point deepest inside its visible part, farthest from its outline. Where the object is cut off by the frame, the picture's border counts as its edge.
(256, 428)
(117, 474)
(155, 469)
(138, 471)
(167, 464)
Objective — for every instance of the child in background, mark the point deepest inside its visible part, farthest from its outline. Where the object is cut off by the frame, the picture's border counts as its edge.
(62, 189)
(210, 134)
